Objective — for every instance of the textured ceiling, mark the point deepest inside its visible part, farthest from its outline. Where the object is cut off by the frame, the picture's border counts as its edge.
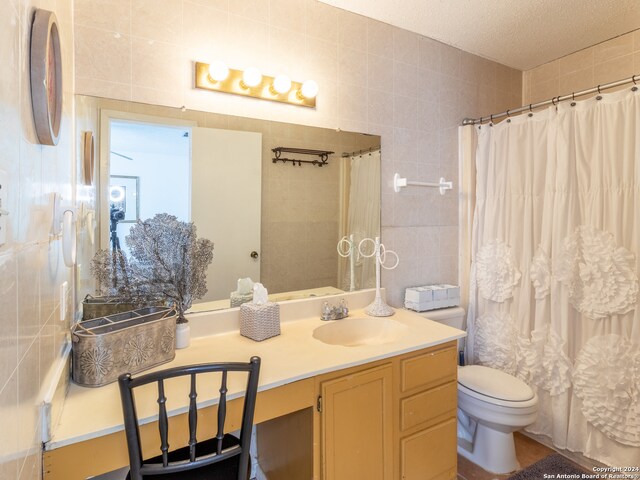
(519, 33)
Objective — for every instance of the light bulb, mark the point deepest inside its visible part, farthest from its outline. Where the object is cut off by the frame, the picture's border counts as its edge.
(309, 89)
(251, 77)
(218, 71)
(282, 84)
(116, 193)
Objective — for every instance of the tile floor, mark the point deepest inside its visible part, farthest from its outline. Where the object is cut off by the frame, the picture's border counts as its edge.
(528, 452)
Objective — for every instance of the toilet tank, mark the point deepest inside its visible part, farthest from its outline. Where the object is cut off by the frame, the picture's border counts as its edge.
(453, 317)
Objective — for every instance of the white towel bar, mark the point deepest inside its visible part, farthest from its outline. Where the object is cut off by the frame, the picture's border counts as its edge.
(399, 183)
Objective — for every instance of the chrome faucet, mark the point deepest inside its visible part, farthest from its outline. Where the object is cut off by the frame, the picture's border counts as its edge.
(334, 313)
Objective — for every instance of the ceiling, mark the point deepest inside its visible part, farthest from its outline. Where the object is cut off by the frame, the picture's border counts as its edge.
(129, 138)
(519, 33)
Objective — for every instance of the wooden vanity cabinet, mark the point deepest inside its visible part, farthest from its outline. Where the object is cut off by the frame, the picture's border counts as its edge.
(357, 425)
(427, 430)
(391, 419)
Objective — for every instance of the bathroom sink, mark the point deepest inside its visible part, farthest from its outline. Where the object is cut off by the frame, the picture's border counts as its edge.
(354, 332)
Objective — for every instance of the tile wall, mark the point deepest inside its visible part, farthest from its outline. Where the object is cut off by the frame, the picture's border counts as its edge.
(374, 78)
(605, 62)
(87, 119)
(301, 207)
(31, 266)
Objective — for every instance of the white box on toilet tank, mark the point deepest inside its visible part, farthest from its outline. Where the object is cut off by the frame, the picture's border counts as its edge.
(430, 297)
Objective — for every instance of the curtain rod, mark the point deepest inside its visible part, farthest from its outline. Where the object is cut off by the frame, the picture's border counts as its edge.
(553, 101)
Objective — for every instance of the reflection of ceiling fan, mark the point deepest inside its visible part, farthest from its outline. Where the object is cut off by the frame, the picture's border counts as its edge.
(120, 155)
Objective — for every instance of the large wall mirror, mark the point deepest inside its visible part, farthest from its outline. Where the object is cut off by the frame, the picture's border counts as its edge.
(279, 222)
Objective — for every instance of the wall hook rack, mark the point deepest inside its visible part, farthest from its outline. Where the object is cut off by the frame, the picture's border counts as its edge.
(323, 154)
(360, 152)
(399, 183)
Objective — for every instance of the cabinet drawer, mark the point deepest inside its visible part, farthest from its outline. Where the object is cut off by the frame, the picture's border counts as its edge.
(429, 369)
(429, 407)
(430, 454)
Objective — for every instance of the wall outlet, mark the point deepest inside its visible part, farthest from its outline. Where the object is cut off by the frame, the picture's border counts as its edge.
(64, 293)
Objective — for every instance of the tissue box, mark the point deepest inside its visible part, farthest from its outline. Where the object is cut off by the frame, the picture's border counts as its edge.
(237, 299)
(259, 322)
(430, 297)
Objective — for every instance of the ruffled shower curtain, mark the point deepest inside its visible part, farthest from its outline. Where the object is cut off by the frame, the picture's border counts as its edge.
(553, 288)
(363, 214)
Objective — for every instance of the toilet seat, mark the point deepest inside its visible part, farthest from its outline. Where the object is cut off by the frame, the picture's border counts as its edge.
(495, 387)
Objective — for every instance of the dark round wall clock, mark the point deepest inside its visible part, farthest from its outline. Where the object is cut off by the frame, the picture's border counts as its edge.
(46, 77)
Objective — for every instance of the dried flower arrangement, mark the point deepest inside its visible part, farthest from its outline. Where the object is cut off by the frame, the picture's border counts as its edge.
(112, 272)
(168, 261)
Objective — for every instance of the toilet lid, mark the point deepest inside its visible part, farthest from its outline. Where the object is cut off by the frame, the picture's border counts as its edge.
(494, 383)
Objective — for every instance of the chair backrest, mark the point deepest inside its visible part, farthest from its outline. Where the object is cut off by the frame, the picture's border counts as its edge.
(140, 468)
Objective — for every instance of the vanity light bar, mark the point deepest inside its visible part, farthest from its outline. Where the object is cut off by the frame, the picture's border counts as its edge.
(233, 83)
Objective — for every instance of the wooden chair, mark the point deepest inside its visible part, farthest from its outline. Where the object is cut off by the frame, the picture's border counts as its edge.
(222, 457)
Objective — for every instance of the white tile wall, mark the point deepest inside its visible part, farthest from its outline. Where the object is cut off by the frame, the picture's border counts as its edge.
(31, 269)
(605, 62)
(373, 78)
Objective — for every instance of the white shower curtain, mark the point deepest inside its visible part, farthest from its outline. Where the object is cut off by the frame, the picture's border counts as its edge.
(363, 214)
(553, 294)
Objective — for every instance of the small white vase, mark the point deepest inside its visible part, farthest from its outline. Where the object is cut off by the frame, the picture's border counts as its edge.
(183, 335)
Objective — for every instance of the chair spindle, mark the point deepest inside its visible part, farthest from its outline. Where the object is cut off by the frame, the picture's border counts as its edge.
(210, 458)
(163, 423)
(222, 411)
(193, 419)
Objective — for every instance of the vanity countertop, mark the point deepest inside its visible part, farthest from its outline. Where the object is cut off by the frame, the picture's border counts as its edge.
(294, 355)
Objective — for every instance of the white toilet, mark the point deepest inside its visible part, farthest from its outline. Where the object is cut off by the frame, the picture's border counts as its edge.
(491, 406)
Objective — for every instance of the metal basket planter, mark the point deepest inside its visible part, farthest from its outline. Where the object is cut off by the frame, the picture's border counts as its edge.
(94, 307)
(106, 347)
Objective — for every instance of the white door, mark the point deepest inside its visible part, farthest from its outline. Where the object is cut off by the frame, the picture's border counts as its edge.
(226, 169)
